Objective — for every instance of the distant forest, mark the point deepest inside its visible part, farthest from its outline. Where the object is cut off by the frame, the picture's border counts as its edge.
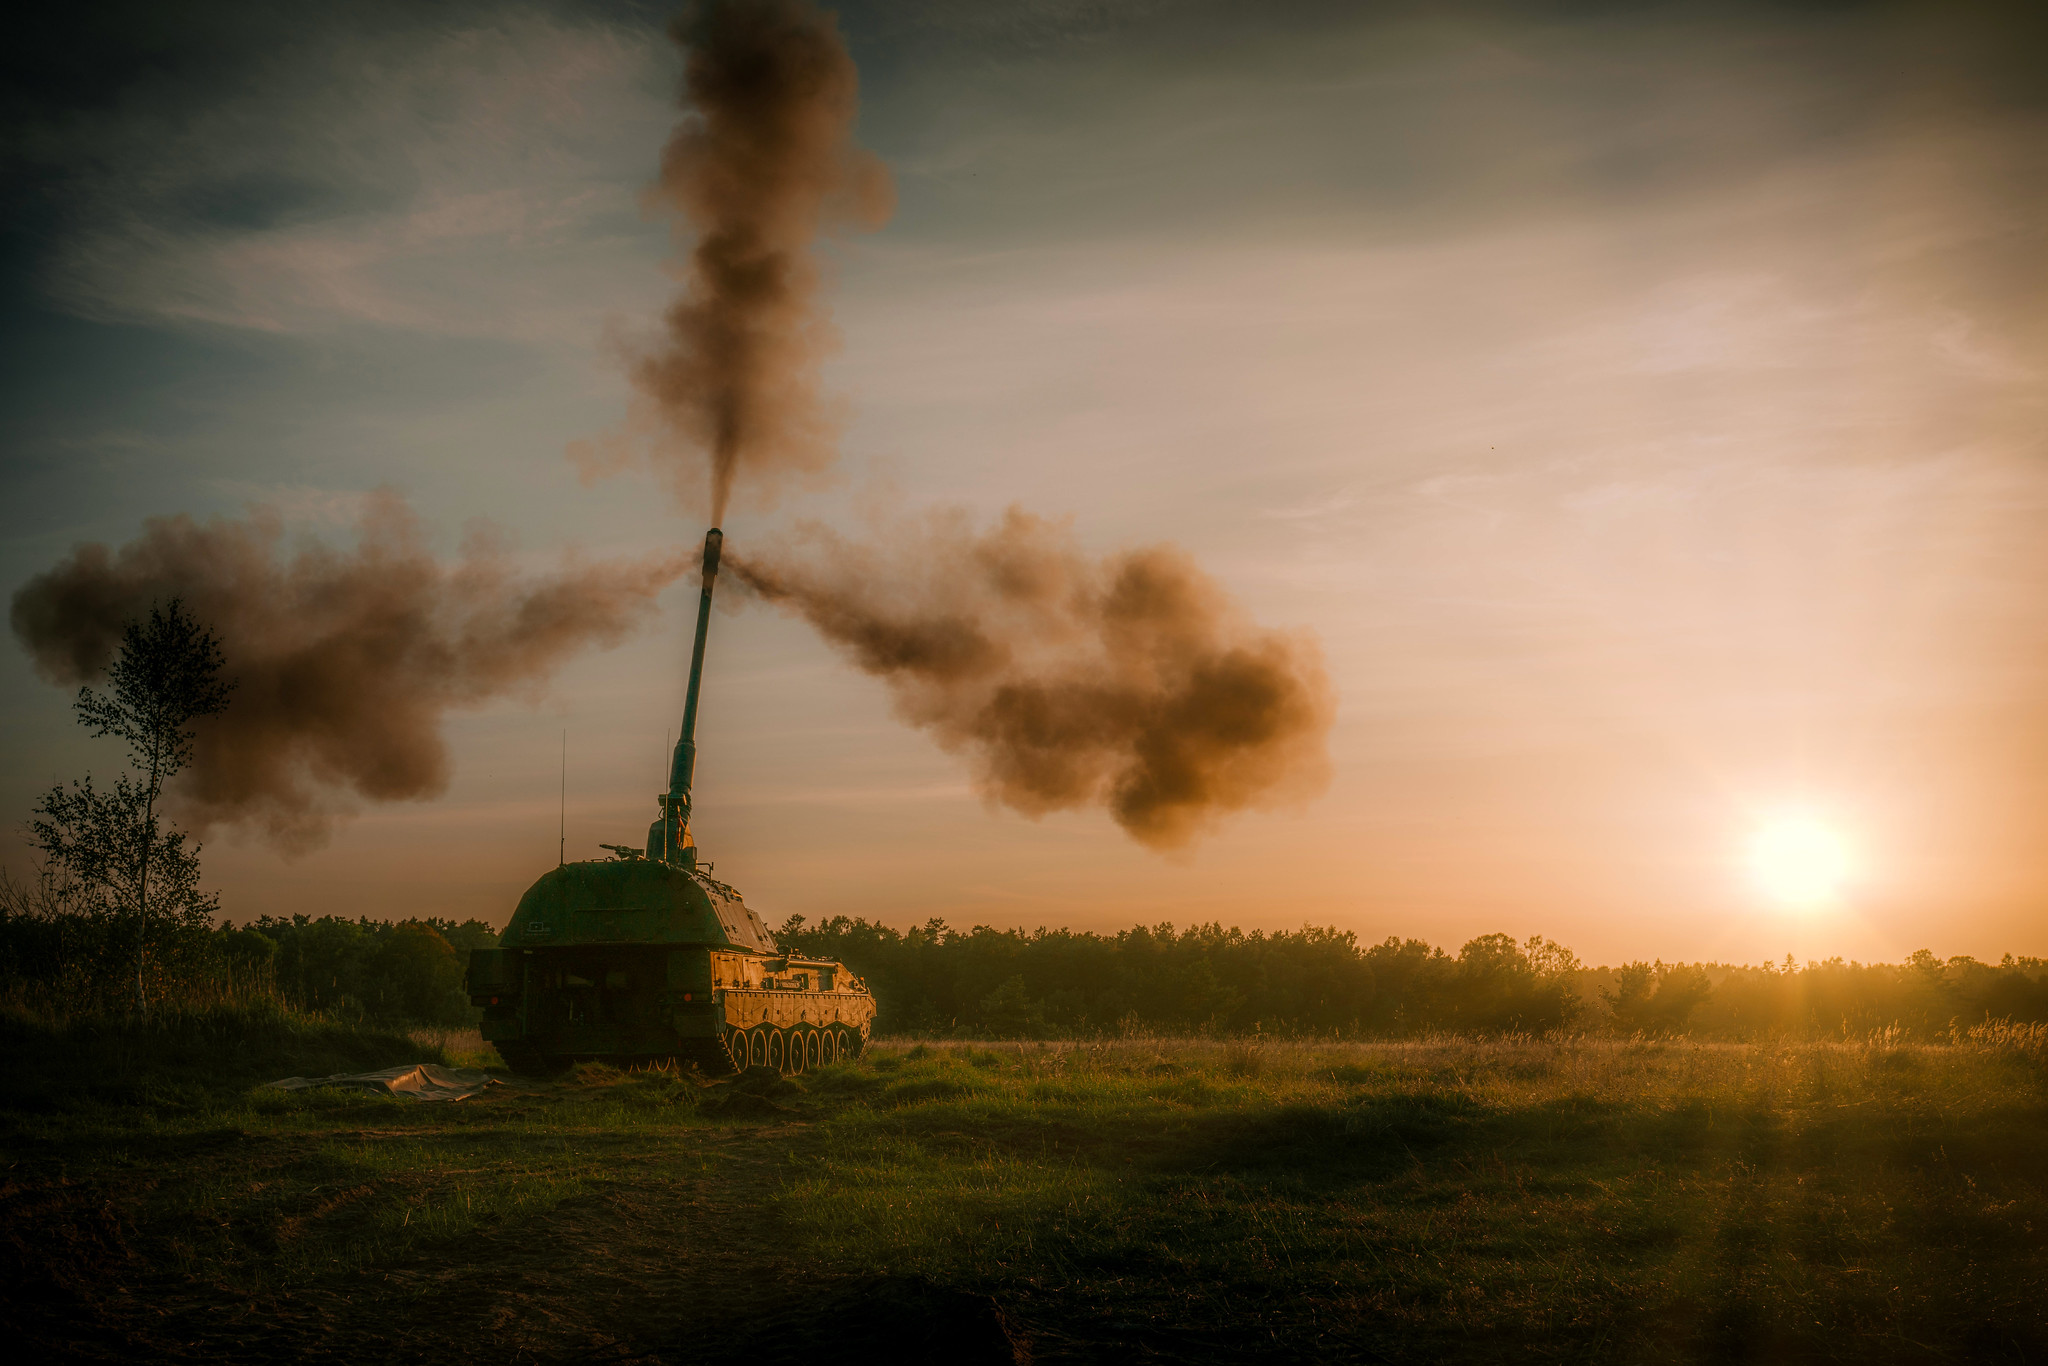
(938, 981)
(1012, 984)
(59, 962)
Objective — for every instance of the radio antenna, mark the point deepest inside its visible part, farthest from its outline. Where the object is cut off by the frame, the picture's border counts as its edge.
(562, 823)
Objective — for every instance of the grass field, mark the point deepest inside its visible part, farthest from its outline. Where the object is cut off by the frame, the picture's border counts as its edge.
(1141, 1199)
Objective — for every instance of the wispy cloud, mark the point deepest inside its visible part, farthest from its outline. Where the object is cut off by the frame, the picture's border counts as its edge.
(467, 181)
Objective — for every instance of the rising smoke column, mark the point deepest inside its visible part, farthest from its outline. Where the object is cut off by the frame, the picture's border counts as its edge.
(344, 663)
(761, 166)
(1132, 681)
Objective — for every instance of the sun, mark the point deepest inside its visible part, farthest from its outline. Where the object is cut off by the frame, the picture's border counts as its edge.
(1800, 861)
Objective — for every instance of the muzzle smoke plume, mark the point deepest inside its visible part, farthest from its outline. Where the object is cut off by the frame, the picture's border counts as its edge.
(1133, 682)
(344, 663)
(763, 163)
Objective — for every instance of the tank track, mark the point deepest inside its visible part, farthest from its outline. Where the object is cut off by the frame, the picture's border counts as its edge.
(791, 1052)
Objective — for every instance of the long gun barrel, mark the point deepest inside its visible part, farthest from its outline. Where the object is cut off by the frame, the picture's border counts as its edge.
(669, 839)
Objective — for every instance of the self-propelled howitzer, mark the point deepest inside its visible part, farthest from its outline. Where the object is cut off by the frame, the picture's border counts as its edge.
(645, 957)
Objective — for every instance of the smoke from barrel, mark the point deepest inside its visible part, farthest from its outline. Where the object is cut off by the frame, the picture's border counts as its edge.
(345, 663)
(1131, 682)
(762, 164)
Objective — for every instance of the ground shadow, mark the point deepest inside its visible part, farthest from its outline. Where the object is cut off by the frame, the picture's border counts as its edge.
(866, 1322)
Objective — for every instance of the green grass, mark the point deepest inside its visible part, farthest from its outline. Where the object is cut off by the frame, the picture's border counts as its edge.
(1442, 1200)
(255, 1189)
(1661, 1201)
(183, 1056)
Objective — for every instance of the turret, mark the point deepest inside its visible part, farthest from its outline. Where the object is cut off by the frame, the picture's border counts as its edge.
(668, 839)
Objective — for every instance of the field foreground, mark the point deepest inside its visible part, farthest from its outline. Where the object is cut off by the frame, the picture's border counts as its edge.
(1173, 1200)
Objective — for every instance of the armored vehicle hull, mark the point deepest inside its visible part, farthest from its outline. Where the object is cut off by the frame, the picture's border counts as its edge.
(633, 961)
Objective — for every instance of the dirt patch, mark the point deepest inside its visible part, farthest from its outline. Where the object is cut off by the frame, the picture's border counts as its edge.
(63, 1248)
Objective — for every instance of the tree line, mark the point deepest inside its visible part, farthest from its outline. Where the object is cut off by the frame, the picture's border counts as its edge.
(982, 982)
(402, 972)
(59, 959)
(1009, 983)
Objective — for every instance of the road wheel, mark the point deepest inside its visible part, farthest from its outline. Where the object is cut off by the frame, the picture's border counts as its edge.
(757, 1048)
(732, 1046)
(778, 1050)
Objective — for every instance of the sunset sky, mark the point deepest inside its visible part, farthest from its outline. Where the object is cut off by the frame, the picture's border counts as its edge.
(1646, 406)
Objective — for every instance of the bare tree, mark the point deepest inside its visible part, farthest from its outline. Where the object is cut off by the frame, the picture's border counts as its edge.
(113, 847)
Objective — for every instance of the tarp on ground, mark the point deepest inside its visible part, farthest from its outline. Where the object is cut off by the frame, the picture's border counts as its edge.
(420, 1080)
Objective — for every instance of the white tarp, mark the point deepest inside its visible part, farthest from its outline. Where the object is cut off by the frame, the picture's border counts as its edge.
(420, 1080)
